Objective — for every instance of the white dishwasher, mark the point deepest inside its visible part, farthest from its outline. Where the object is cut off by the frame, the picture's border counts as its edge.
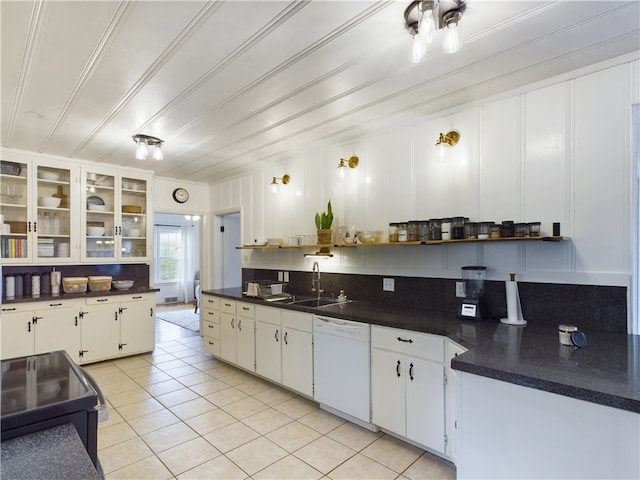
(342, 368)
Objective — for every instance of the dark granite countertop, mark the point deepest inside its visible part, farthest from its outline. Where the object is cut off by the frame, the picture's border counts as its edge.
(70, 296)
(605, 372)
(52, 453)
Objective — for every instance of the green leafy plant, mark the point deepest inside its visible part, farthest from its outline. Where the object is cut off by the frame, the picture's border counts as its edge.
(324, 220)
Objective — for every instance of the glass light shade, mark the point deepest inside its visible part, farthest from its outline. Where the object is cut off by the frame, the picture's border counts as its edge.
(342, 171)
(427, 29)
(157, 153)
(141, 150)
(418, 50)
(452, 42)
(274, 186)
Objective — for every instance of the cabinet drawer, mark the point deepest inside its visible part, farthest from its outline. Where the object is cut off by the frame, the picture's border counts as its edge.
(102, 300)
(211, 330)
(136, 297)
(209, 301)
(297, 320)
(408, 342)
(211, 315)
(212, 345)
(52, 304)
(227, 306)
(246, 310)
(268, 314)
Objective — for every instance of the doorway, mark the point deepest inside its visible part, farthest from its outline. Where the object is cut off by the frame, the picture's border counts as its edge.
(176, 258)
(225, 240)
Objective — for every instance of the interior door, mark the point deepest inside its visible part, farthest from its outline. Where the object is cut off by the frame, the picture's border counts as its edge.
(230, 237)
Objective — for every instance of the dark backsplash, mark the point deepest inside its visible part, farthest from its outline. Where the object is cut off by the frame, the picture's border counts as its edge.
(591, 307)
(138, 272)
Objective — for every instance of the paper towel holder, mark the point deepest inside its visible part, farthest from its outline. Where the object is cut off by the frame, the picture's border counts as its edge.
(514, 308)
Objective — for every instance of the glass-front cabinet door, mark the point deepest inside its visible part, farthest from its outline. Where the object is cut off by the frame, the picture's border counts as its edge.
(115, 216)
(16, 222)
(38, 224)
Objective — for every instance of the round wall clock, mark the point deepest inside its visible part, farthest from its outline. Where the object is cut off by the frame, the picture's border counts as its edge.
(180, 195)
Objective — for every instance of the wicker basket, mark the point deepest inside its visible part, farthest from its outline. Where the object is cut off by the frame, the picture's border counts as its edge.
(131, 209)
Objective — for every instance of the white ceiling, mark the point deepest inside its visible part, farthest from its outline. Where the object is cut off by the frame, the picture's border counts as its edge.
(230, 84)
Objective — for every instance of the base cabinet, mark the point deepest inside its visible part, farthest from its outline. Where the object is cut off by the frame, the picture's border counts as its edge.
(297, 351)
(452, 400)
(210, 315)
(245, 337)
(268, 340)
(100, 332)
(407, 385)
(137, 325)
(40, 327)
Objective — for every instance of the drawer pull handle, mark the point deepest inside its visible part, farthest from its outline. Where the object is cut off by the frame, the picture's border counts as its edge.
(411, 371)
(12, 309)
(398, 369)
(246, 309)
(210, 326)
(400, 339)
(102, 300)
(211, 343)
(137, 298)
(55, 304)
(227, 304)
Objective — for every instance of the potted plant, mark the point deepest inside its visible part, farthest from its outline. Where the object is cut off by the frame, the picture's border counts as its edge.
(323, 225)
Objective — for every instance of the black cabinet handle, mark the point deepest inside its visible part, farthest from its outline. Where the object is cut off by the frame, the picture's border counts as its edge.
(35, 320)
(136, 297)
(13, 309)
(398, 369)
(233, 321)
(405, 340)
(276, 334)
(28, 326)
(411, 371)
(246, 309)
(76, 321)
(240, 325)
(210, 326)
(55, 304)
(102, 300)
(285, 338)
(211, 343)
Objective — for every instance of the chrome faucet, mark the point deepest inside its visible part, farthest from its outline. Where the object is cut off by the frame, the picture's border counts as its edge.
(315, 279)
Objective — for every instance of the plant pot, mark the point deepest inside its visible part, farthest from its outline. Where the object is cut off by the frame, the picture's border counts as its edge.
(325, 237)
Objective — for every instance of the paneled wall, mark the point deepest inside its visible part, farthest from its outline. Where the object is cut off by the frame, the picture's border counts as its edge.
(554, 152)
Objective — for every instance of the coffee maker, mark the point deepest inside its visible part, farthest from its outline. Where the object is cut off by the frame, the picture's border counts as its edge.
(473, 306)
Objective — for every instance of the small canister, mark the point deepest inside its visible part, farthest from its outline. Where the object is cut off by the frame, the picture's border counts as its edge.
(534, 229)
(457, 228)
(412, 231)
(393, 232)
(45, 283)
(423, 230)
(495, 231)
(484, 230)
(434, 229)
(35, 285)
(507, 228)
(520, 229)
(19, 284)
(471, 230)
(402, 232)
(26, 282)
(564, 333)
(445, 229)
(10, 287)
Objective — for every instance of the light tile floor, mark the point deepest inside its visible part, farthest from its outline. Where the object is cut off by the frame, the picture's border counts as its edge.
(180, 413)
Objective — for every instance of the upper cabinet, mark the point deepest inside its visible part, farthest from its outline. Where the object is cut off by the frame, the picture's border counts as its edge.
(38, 213)
(56, 212)
(116, 216)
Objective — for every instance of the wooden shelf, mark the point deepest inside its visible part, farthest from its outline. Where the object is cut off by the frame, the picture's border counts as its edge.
(408, 244)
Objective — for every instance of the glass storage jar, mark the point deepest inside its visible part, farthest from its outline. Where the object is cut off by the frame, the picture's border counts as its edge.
(393, 232)
(423, 230)
(495, 231)
(484, 229)
(471, 230)
(412, 231)
(457, 228)
(507, 228)
(534, 229)
(520, 229)
(434, 229)
(445, 229)
(402, 232)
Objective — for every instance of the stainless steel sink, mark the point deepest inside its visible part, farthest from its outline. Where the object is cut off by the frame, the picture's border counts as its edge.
(316, 302)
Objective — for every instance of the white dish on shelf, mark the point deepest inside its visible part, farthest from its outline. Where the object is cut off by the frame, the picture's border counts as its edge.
(97, 208)
(134, 232)
(50, 202)
(48, 175)
(95, 231)
(122, 284)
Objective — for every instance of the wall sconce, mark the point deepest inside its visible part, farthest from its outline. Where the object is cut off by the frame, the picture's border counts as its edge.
(351, 163)
(274, 183)
(446, 141)
(323, 253)
(143, 143)
(424, 19)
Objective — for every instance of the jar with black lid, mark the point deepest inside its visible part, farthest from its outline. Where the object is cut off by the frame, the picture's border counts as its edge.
(402, 231)
(520, 229)
(471, 230)
(423, 230)
(507, 228)
(393, 232)
(412, 231)
(434, 229)
(457, 228)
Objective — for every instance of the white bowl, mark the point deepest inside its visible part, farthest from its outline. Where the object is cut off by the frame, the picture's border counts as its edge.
(51, 202)
(122, 284)
(98, 208)
(134, 232)
(45, 175)
(95, 231)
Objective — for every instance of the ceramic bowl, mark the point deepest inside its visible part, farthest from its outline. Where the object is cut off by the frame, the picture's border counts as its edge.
(95, 231)
(134, 232)
(50, 202)
(122, 284)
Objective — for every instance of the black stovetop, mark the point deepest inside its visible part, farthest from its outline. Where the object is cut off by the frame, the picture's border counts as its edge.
(40, 387)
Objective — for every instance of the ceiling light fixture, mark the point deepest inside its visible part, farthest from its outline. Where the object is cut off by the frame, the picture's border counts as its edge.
(351, 163)
(424, 19)
(448, 140)
(143, 143)
(274, 183)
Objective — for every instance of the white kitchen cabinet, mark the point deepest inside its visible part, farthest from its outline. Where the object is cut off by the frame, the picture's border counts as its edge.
(407, 385)
(297, 351)
(137, 327)
(100, 332)
(116, 216)
(228, 325)
(117, 325)
(39, 327)
(452, 400)
(40, 233)
(245, 337)
(268, 339)
(210, 313)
